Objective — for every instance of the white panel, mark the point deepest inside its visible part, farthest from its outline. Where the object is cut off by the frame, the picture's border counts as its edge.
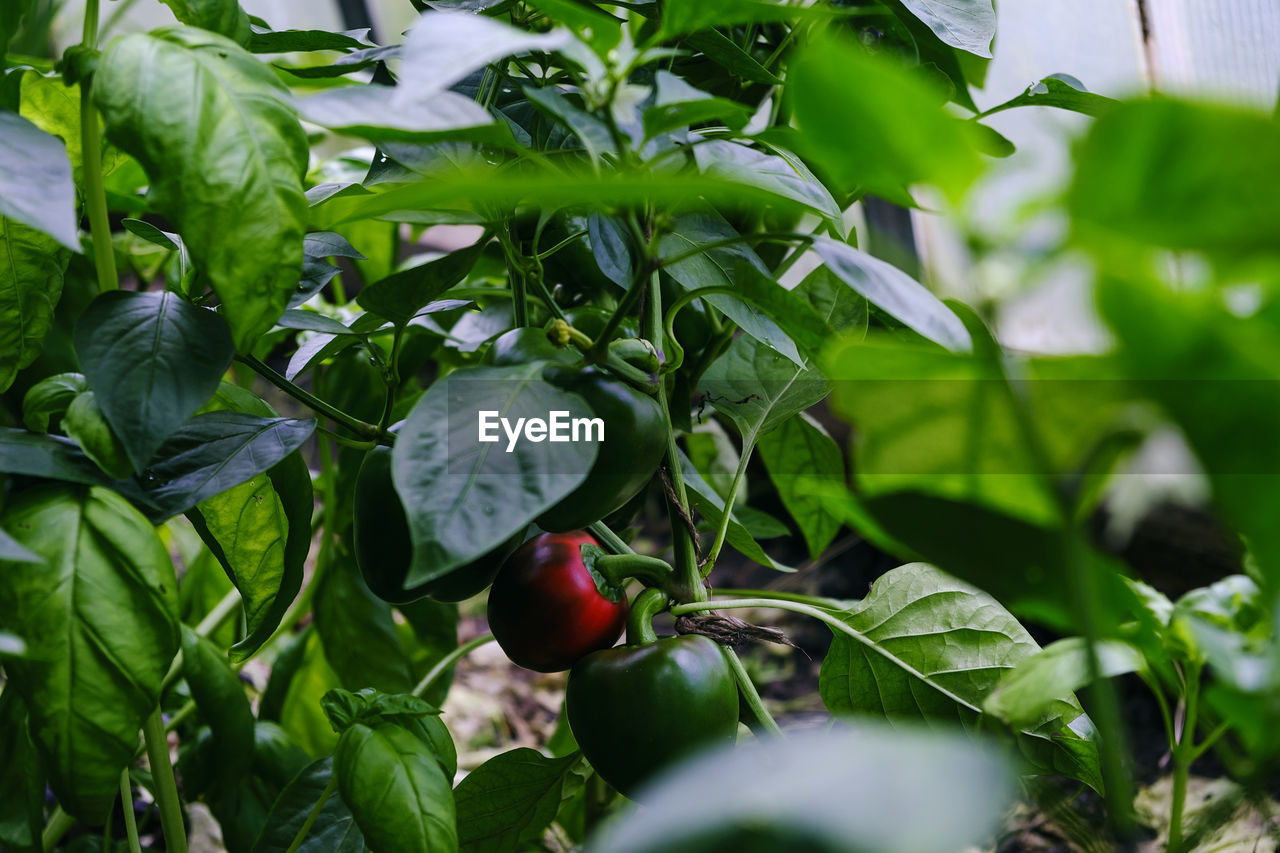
(1216, 48)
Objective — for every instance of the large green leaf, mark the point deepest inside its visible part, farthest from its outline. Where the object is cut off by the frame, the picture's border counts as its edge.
(11, 14)
(510, 799)
(1034, 686)
(224, 17)
(781, 173)
(925, 646)
(796, 454)
(213, 129)
(47, 456)
(396, 789)
(32, 265)
(152, 359)
(1181, 176)
(100, 614)
(54, 107)
(402, 295)
(22, 784)
(35, 180)
(333, 830)
(858, 787)
(875, 126)
(463, 497)
(758, 389)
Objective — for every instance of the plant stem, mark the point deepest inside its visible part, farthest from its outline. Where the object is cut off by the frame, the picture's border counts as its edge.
(617, 569)
(449, 660)
(1184, 753)
(59, 823)
(749, 693)
(104, 256)
(314, 815)
(166, 789)
(815, 600)
(748, 446)
(359, 427)
(126, 806)
(773, 237)
(219, 614)
(608, 538)
(648, 603)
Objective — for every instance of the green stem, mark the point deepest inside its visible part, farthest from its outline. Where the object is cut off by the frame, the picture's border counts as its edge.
(442, 666)
(314, 815)
(610, 540)
(617, 569)
(166, 789)
(59, 823)
(815, 600)
(126, 806)
(749, 693)
(748, 446)
(219, 614)
(649, 602)
(104, 256)
(1210, 740)
(1183, 755)
(677, 358)
(391, 375)
(771, 237)
(365, 430)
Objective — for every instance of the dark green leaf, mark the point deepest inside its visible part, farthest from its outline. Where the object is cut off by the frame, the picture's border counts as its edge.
(395, 788)
(32, 265)
(591, 131)
(35, 181)
(400, 296)
(710, 505)
(758, 389)
(316, 270)
(85, 423)
(356, 60)
(720, 49)
(213, 452)
(299, 41)
(374, 112)
(95, 670)
(510, 799)
(334, 830)
(152, 360)
(47, 456)
(211, 126)
(781, 173)
(22, 783)
(358, 633)
(676, 104)
(462, 497)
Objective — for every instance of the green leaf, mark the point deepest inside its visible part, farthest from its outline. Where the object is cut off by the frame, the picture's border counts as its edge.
(676, 105)
(267, 586)
(876, 126)
(224, 17)
(1033, 688)
(402, 295)
(592, 24)
(969, 25)
(710, 505)
(47, 456)
(376, 112)
(1180, 176)
(32, 266)
(842, 308)
(11, 15)
(717, 268)
(797, 453)
(85, 423)
(54, 107)
(395, 788)
(510, 799)
(1061, 91)
(212, 127)
(316, 271)
(294, 694)
(222, 704)
(49, 398)
(781, 173)
(723, 51)
(758, 389)
(859, 786)
(334, 830)
(682, 17)
(22, 783)
(358, 633)
(371, 708)
(591, 131)
(35, 181)
(214, 452)
(302, 41)
(462, 497)
(152, 360)
(889, 288)
(925, 646)
(100, 614)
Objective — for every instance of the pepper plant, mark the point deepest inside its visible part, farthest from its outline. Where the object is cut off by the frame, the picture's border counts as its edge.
(658, 286)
